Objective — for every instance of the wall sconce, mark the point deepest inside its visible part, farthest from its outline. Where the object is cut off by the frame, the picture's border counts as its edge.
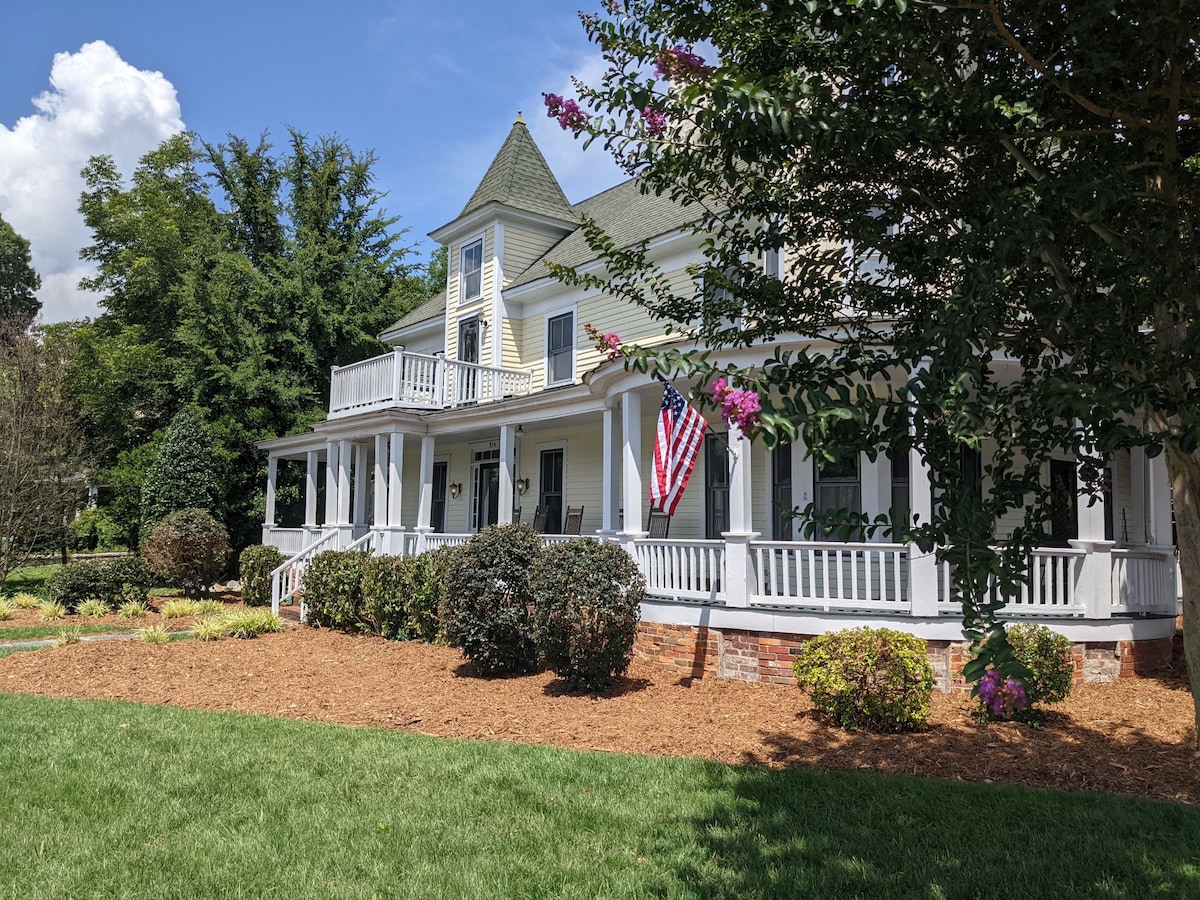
(455, 489)
(522, 485)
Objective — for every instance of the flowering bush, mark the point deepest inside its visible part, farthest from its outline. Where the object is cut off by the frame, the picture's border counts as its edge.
(656, 122)
(678, 62)
(570, 116)
(1002, 697)
(738, 406)
(608, 343)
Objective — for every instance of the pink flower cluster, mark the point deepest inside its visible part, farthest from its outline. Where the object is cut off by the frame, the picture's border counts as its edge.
(656, 122)
(677, 62)
(1002, 698)
(739, 406)
(570, 116)
(611, 343)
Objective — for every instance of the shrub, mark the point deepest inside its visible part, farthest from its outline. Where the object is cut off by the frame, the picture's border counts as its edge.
(383, 590)
(95, 530)
(333, 589)
(178, 609)
(154, 634)
(93, 607)
(1047, 655)
(586, 596)
(51, 611)
(254, 570)
(102, 580)
(23, 600)
(486, 611)
(68, 636)
(131, 609)
(184, 474)
(425, 590)
(871, 678)
(189, 547)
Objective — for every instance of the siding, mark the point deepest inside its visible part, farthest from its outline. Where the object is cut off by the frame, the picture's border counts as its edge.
(482, 306)
(522, 249)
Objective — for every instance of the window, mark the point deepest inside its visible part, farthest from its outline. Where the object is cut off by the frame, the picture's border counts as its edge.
(471, 271)
(837, 487)
(901, 510)
(781, 491)
(437, 510)
(560, 348)
(550, 489)
(771, 263)
(716, 486)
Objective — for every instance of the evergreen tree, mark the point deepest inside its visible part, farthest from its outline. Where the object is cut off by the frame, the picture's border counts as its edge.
(185, 473)
(18, 281)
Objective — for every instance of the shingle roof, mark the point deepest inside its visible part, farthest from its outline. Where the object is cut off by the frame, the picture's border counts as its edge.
(434, 307)
(520, 178)
(625, 213)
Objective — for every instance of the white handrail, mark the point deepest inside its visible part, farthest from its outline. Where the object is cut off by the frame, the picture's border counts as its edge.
(682, 569)
(288, 579)
(417, 380)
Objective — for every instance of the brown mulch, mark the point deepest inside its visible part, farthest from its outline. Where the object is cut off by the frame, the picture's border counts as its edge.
(1135, 736)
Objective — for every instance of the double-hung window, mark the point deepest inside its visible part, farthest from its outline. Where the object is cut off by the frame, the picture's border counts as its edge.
(471, 271)
(560, 348)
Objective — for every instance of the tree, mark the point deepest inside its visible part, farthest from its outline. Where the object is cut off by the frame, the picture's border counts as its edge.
(41, 470)
(988, 216)
(184, 474)
(19, 282)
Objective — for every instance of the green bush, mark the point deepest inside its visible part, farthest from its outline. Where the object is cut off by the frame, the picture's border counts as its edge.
(189, 548)
(1047, 654)
(95, 530)
(486, 611)
(101, 580)
(333, 589)
(383, 589)
(425, 590)
(184, 474)
(254, 570)
(871, 678)
(586, 598)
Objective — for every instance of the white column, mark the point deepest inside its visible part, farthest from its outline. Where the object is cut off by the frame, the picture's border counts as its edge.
(343, 483)
(1137, 491)
(1094, 585)
(425, 498)
(310, 489)
(739, 571)
(631, 463)
(272, 479)
(922, 567)
(395, 487)
(380, 484)
(508, 439)
(611, 473)
(331, 482)
(1158, 500)
(876, 486)
(360, 484)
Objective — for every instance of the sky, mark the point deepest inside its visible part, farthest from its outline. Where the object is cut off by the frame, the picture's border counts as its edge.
(432, 88)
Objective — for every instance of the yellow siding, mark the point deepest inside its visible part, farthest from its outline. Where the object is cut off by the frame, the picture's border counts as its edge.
(511, 346)
(522, 249)
(482, 306)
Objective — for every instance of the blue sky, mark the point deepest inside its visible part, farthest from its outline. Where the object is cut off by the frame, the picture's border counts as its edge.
(433, 88)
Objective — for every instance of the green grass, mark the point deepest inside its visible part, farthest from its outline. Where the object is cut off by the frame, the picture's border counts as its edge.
(31, 579)
(9, 651)
(49, 630)
(112, 799)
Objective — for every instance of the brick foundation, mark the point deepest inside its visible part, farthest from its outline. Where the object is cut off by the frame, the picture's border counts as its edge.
(694, 652)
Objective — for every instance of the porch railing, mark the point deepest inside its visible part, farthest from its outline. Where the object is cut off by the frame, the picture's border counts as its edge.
(289, 541)
(417, 381)
(1051, 588)
(1144, 580)
(288, 579)
(682, 569)
(833, 575)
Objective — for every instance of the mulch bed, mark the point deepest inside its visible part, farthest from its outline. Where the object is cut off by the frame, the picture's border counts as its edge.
(1135, 736)
(32, 617)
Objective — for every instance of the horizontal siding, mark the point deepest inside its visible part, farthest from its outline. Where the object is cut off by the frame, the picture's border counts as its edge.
(482, 306)
(522, 249)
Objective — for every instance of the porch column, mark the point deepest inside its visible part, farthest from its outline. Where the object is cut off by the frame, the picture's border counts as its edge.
(379, 493)
(343, 494)
(394, 489)
(310, 488)
(1158, 501)
(504, 508)
(272, 480)
(610, 500)
(876, 486)
(922, 567)
(425, 497)
(631, 464)
(740, 582)
(360, 484)
(1137, 491)
(331, 482)
(1094, 584)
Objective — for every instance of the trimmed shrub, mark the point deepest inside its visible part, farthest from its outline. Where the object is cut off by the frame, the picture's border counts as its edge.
(254, 571)
(184, 474)
(871, 678)
(333, 589)
(486, 611)
(425, 590)
(79, 582)
(383, 589)
(188, 547)
(586, 596)
(1047, 655)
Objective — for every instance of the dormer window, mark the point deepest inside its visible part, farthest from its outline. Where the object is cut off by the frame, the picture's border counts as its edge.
(471, 268)
(560, 348)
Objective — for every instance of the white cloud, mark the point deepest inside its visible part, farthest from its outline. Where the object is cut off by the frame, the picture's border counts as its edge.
(97, 104)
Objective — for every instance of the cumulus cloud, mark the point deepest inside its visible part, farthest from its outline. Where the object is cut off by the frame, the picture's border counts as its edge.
(97, 104)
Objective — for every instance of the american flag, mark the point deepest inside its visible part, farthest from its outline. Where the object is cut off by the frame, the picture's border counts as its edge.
(680, 433)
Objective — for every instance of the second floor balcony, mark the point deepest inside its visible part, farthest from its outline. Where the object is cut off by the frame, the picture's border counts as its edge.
(400, 380)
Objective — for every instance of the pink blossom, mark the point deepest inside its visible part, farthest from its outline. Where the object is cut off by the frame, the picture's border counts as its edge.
(612, 344)
(739, 406)
(656, 122)
(677, 62)
(570, 116)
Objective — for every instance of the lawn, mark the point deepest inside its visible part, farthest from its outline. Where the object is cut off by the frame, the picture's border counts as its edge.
(114, 799)
(53, 630)
(29, 579)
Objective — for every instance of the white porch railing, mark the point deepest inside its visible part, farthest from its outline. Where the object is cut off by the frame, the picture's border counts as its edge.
(433, 541)
(682, 569)
(1050, 590)
(371, 542)
(831, 575)
(1144, 580)
(289, 541)
(417, 381)
(288, 579)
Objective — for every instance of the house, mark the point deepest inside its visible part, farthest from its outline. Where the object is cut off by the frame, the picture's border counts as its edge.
(493, 404)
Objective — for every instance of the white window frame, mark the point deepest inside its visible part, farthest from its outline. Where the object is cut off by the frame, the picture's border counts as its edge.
(463, 298)
(557, 314)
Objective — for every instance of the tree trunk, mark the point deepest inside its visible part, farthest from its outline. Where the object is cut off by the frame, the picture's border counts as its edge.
(1184, 471)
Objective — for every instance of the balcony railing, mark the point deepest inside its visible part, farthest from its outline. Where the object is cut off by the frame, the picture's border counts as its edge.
(416, 381)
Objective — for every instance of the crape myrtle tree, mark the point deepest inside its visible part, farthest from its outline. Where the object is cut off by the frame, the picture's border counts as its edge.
(987, 217)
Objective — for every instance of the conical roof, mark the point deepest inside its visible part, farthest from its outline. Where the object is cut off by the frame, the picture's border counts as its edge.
(520, 179)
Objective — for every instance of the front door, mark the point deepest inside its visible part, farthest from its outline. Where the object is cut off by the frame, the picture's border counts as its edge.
(487, 494)
(550, 489)
(467, 388)
(1064, 499)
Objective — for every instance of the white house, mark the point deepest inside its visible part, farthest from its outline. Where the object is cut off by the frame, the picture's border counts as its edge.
(493, 404)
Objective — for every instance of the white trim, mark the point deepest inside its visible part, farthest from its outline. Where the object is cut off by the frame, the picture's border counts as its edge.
(573, 312)
(499, 313)
(448, 233)
(462, 299)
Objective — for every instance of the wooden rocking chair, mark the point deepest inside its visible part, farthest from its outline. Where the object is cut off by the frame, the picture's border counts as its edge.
(659, 524)
(573, 521)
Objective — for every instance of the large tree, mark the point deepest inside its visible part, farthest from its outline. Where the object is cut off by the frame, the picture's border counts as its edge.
(19, 282)
(988, 215)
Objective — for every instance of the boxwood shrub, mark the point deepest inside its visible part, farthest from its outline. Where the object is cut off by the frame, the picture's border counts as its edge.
(586, 598)
(486, 610)
(333, 589)
(188, 547)
(383, 588)
(103, 580)
(871, 678)
(255, 565)
(1047, 655)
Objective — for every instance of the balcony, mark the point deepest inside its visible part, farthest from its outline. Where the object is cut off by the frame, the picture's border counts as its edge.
(400, 380)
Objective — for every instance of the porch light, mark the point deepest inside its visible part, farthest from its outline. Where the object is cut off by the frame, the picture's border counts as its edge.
(522, 485)
(455, 490)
